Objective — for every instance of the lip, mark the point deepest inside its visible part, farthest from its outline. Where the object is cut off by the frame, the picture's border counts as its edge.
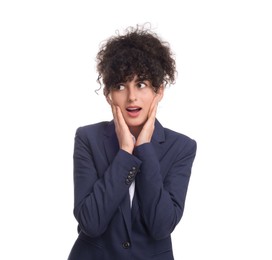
(133, 111)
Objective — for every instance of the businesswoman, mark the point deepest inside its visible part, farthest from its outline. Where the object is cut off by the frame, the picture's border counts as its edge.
(130, 174)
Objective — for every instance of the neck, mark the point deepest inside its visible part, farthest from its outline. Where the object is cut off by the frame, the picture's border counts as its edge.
(135, 130)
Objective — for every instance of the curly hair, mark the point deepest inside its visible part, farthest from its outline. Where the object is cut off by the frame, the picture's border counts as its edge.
(139, 52)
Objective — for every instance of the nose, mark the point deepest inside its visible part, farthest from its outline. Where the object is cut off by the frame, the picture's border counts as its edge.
(132, 94)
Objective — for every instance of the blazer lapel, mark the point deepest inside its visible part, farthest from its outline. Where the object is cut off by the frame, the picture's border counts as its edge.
(126, 212)
(158, 139)
(135, 207)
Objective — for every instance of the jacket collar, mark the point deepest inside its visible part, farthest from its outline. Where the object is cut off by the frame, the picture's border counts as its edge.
(111, 144)
(158, 134)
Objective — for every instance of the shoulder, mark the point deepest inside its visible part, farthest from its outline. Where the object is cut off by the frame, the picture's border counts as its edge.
(163, 134)
(95, 130)
(169, 133)
(170, 140)
(93, 127)
(179, 140)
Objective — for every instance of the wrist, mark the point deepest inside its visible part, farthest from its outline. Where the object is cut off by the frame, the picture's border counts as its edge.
(140, 142)
(127, 149)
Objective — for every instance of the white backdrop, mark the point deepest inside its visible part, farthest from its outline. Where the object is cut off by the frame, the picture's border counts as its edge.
(221, 99)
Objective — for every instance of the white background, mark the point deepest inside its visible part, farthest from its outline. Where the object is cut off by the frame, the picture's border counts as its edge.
(222, 98)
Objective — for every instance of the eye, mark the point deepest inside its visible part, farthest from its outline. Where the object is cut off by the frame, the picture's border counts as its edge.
(141, 85)
(119, 87)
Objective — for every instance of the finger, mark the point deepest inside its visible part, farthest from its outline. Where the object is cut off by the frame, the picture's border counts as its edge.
(119, 115)
(153, 107)
(117, 118)
(120, 121)
(113, 109)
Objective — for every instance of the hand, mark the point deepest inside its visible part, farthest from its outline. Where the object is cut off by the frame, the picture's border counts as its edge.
(122, 131)
(149, 126)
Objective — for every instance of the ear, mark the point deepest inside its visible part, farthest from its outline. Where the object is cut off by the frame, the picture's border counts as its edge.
(160, 92)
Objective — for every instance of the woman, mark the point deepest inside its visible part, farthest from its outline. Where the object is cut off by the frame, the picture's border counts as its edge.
(131, 174)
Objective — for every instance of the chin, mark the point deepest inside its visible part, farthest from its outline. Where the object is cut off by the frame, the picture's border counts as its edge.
(135, 123)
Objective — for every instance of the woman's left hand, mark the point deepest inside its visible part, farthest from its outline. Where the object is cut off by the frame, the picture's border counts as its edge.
(149, 126)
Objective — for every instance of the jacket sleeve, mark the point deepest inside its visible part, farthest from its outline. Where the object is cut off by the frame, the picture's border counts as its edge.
(96, 199)
(162, 200)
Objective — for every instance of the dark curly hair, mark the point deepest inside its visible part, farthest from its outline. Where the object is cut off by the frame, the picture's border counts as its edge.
(139, 52)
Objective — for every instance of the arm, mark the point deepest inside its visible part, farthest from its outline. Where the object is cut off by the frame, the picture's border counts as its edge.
(97, 199)
(162, 200)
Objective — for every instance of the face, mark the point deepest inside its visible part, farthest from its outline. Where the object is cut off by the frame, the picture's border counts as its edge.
(134, 99)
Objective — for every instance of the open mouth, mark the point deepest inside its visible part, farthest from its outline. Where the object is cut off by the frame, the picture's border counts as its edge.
(133, 109)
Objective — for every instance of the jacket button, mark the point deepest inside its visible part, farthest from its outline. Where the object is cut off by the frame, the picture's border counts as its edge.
(130, 177)
(126, 245)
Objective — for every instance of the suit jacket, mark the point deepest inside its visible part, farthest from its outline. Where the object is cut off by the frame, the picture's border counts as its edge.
(109, 229)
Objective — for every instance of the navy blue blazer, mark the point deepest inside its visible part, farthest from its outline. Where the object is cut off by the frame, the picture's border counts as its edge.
(109, 229)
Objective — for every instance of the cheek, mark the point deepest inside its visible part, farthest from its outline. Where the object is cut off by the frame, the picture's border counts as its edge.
(149, 99)
(118, 100)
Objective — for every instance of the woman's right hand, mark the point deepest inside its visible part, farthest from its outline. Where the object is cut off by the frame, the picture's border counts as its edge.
(122, 131)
